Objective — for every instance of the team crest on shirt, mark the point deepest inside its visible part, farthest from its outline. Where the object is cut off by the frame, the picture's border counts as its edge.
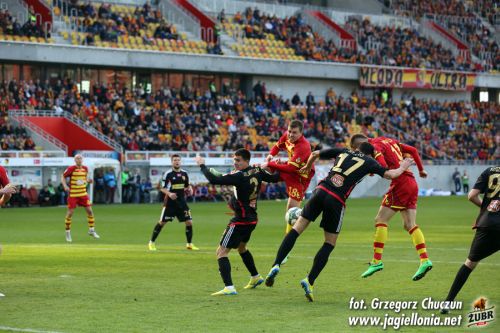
(337, 180)
(183, 178)
(297, 160)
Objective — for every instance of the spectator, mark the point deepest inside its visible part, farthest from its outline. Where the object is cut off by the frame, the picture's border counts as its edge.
(456, 180)
(465, 181)
(110, 181)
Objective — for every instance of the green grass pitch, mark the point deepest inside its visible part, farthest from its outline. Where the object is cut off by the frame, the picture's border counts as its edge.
(116, 285)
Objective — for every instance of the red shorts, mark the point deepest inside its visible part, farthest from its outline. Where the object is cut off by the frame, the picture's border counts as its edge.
(296, 185)
(402, 194)
(79, 201)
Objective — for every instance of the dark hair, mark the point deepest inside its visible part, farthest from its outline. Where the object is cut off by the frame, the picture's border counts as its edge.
(243, 153)
(174, 156)
(356, 137)
(367, 149)
(297, 124)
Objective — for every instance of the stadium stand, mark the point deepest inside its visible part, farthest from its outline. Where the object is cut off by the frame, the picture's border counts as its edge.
(192, 120)
(29, 31)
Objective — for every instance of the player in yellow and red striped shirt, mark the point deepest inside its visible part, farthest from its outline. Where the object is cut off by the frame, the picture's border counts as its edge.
(78, 196)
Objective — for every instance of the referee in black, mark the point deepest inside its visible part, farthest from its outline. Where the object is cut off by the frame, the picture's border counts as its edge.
(487, 238)
(247, 181)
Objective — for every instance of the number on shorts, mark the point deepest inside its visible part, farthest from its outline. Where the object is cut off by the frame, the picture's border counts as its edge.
(342, 157)
(293, 192)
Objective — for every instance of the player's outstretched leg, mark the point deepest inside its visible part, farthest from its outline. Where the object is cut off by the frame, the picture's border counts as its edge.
(91, 222)
(378, 248)
(308, 289)
(285, 248)
(460, 279)
(425, 264)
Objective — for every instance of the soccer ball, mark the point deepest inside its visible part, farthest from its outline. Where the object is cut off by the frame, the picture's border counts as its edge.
(293, 215)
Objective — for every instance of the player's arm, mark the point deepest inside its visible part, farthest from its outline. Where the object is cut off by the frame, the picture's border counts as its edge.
(277, 147)
(395, 173)
(474, 197)
(379, 157)
(165, 182)
(406, 149)
(229, 179)
(187, 186)
(480, 186)
(67, 173)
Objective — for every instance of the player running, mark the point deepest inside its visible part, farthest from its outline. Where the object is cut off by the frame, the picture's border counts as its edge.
(329, 198)
(401, 197)
(247, 181)
(78, 175)
(487, 238)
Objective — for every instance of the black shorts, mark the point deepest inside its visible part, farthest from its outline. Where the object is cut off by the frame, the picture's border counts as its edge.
(485, 243)
(332, 209)
(175, 208)
(236, 234)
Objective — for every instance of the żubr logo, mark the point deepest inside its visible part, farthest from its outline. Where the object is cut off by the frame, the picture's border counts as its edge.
(481, 315)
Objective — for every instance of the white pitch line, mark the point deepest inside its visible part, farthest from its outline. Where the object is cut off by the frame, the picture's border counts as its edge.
(29, 330)
(261, 255)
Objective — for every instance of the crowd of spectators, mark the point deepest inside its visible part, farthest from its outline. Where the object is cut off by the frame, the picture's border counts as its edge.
(294, 32)
(10, 25)
(418, 8)
(396, 46)
(189, 119)
(14, 138)
(487, 9)
(460, 19)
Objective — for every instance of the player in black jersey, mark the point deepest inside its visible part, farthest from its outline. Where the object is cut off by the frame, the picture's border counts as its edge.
(175, 186)
(247, 181)
(329, 197)
(487, 238)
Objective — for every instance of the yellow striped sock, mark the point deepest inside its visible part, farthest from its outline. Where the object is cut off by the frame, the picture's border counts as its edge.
(379, 241)
(67, 222)
(419, 241)
(90, 220)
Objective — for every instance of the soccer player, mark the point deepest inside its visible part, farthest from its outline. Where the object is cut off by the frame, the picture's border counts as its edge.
(329, 198)
(401, 197)
(247, 181)
(175, 187)
(6, 188)
(78, 175)
(6, 191)
(487, 238)
(299, 150)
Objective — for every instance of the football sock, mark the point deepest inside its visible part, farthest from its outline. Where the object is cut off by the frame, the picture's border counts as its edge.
(90, 221)
(458, 283)
(156, 231)
(67, 223)
(320, 261)
(249, 263)
(379, 241)
(225, 270)
(288, 228)
(286, 246)
(418, 240)
(189, 233)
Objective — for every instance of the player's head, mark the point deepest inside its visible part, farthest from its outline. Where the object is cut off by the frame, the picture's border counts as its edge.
(295, 130)
(78, 160)
(367, 149)
(357, 140)
(176, 161)
(241, 159)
